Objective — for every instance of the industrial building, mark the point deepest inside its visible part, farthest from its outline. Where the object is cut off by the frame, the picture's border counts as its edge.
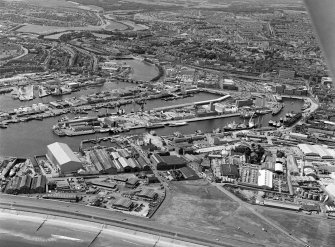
(62, 156)
(38, 185)
(188, 173)
(317, 151)
(167, 162)
(25, 184)
(102, 161)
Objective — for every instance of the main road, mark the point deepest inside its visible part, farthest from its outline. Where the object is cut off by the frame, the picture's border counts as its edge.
(135, 224)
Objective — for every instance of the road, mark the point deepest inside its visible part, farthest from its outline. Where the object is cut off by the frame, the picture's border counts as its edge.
(27, 229)
(252, 210)
(116, 219)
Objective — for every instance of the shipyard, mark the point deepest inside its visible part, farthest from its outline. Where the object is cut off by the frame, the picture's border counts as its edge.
(192, 123)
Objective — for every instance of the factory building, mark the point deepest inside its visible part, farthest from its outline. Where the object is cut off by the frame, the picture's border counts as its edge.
(265, 179)
(62, 156)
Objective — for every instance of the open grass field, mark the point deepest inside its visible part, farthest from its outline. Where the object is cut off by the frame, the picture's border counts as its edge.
(201, 206)
(317, 231)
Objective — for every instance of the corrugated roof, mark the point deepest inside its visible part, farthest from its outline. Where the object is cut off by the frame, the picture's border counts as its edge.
(62, 153)
(188, 172)
(150, 193)
(123, 202)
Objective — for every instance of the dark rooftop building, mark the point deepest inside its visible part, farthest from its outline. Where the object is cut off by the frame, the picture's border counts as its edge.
(148, 194)
(229, 170)
(25, 184)
(188, 173)
(168, 162)
(132, 182)
(38, 185)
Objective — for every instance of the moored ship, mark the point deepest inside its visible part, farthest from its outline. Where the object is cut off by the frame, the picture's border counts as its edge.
(277, 108)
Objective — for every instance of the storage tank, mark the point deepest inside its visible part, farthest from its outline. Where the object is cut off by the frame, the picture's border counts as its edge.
(279, 168)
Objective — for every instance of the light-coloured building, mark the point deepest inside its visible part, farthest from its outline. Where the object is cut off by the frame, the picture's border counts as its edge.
(265, 179)
(62, 156)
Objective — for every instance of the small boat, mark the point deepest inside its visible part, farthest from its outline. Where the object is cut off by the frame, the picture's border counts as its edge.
(177, 124)
(3, 126)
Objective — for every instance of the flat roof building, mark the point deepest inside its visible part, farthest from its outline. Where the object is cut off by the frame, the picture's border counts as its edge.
(61, 155)
(265, 179)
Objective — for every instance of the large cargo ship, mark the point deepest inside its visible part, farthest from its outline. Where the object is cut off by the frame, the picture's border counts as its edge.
(177, 124)
(154, 126)
(277, 108)
(293, 119)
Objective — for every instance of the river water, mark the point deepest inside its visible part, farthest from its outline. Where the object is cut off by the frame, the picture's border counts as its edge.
(31, 138)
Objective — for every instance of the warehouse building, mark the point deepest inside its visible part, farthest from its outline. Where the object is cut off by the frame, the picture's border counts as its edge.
(148, 194)
(167, 162)
(132, 183)
(123, 204)
(188, 173)
(25, 184)
(62, 156)
(13, 185)
(38, 184)
(142, 162)
(125, 164)
(317, 150)
(103, 162)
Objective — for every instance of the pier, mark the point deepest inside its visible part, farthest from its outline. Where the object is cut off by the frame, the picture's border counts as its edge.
(165, 108)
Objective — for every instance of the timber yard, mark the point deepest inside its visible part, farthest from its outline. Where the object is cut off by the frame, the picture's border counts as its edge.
(183, 124)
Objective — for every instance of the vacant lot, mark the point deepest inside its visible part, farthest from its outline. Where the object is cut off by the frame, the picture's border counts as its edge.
(317, 231)
(199, 205)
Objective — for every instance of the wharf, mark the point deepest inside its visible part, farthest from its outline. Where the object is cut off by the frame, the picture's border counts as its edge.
(191, 104)
(201, 118)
